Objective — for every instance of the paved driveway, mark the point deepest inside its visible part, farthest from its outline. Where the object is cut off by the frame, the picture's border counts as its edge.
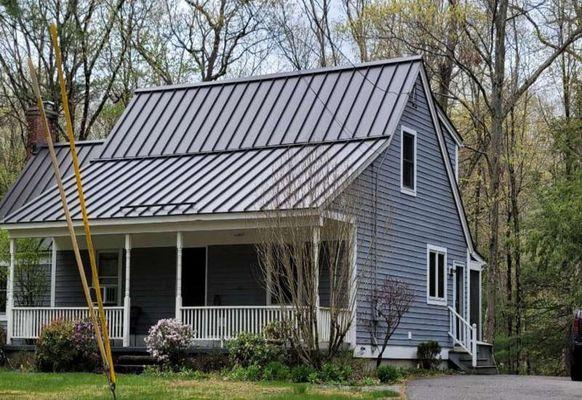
(495, 387)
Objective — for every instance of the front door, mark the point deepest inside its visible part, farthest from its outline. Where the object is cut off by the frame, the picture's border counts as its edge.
(459, 295)
(475, 299)
(193, 276)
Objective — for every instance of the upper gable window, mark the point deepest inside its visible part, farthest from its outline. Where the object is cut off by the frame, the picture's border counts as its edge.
(408, 162)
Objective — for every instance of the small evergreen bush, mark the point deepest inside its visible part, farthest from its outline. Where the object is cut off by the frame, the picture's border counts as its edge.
(248, 349)
(250, 373)
(300, 373)
(428, 354)
(335, 373)
(168, 342)
(388, 374)
(66, 346)
(276, 371)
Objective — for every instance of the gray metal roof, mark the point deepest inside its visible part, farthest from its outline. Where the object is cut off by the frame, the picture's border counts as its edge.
(284, 177)
(230, 146)
(299, 107)
(37, 175)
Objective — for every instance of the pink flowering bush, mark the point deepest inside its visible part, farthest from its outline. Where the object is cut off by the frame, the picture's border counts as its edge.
(168, 342)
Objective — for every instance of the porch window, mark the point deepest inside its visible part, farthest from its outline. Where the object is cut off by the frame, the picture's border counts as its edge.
(110, 277)
(408, 162)
(436, 275)
(3, 289)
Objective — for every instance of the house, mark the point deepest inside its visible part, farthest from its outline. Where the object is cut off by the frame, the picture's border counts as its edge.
(177, 192)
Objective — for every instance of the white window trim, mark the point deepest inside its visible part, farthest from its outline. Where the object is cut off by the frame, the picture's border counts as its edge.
(404, 189)
(429, 299)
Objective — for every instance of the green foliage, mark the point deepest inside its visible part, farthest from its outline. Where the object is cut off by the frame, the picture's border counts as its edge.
(65, 346)
(428, 354)
(276, 331)
(248, 349)
(249, 373)
(388, 373)
(276, 371)
(335, 373)
(301, 373)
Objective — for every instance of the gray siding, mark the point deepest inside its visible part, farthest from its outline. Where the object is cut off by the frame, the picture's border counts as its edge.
(234, 276)
(68, 289)
(429, 218)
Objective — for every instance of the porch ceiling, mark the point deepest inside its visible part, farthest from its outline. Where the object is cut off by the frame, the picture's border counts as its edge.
(208, 183)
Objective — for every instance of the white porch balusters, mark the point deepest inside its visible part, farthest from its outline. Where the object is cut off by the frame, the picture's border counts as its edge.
(53, 272)
(126, 297)
(10, 291)
(179, 244)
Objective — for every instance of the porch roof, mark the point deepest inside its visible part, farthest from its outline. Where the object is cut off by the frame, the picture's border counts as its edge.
(282, 178)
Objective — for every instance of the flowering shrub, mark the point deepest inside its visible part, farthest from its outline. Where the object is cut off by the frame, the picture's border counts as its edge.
(67, 346)
(250, 349)
(168, 342)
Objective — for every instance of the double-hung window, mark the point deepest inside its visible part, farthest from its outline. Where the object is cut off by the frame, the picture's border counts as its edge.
(408, 162)
(109, 266)
(436, 265)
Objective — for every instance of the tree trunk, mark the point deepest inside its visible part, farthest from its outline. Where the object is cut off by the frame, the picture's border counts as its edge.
(500, 21)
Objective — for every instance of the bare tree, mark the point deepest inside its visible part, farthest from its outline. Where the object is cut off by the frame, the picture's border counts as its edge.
(215, 33)
(390, 300)
(303, 243)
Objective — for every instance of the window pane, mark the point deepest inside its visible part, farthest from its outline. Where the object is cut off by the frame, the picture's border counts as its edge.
(432, 275)
(441, 276)
(408, 160)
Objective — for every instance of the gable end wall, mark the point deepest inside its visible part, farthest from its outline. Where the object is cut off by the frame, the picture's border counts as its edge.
(429, 218)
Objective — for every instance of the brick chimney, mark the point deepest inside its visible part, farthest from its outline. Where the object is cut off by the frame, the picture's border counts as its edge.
(36, 136)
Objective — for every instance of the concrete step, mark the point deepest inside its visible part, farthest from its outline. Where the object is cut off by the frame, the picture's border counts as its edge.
(137, 359)
(129, 369)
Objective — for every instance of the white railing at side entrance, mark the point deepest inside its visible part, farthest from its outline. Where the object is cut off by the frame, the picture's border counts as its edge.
(463, 334)
(28, 322)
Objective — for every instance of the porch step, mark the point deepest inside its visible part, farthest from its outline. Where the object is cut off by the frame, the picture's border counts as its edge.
(462, 360)
(133, 364)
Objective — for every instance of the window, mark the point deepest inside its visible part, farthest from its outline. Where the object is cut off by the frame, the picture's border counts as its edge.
(408, 166)
(109, 277)
(3, 291)
(436, 275)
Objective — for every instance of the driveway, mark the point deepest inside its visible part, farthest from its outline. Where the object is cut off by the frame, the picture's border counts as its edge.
(494, 387)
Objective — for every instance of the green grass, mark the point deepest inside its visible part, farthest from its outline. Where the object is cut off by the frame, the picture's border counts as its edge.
(79, 386)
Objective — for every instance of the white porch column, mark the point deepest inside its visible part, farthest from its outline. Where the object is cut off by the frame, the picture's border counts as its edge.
(354, 284)
(53, 272)
(10, 291)
(126, 297)
(179, 244)
(315, 241)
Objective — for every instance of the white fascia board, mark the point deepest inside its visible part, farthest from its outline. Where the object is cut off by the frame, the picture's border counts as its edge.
(450, 128)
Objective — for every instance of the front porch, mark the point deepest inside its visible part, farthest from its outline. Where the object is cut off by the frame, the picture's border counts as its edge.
(210, 281)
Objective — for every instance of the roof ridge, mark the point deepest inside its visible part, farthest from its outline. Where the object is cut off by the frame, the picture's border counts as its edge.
(245, 149)
(281, 75)
(77, 143)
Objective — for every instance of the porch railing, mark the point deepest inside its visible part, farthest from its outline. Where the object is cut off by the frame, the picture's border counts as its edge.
(463, 333)
(27, 322)
(226, 322)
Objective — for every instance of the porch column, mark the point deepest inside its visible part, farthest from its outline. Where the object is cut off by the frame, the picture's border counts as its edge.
(179, 244)
(53, 272)
(353, 283)
(126, 297)
(315, 241)
(10, 291)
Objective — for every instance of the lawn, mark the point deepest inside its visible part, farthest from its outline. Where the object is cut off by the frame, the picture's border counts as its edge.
(39, 386)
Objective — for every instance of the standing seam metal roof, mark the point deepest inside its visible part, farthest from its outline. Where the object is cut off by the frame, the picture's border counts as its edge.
(236, 146)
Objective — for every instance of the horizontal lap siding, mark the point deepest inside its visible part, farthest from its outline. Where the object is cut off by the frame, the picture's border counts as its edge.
(68, 289)
(234, 276)
(429, 218)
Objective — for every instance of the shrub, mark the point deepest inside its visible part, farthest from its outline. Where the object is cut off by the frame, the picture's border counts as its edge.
(250, 373)
(388, 373)
(168, 342)
(300, 373)
(428, 354)
(277, 332)
(249, 349)
(67, 346)
(276, 371)
(335, 373)
(2, 343)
